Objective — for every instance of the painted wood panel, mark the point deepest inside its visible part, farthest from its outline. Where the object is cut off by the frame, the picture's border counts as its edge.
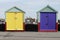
(19, 21)
(14, 21)
(43, 21)
(48, 21)
(52, 21)
(10, 21)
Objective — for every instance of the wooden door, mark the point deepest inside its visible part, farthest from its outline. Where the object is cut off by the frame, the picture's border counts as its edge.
(52, 21)
(10, 21)
(43, 21)
(19, 21)
(48, 21)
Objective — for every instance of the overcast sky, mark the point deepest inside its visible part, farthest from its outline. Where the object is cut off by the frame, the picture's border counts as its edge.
(29, 6)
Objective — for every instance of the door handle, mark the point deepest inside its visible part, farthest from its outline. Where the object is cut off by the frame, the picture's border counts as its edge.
(46, 16)
(46, 23)
(15, 18)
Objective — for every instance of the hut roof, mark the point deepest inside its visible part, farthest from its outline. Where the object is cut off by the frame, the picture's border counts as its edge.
(47, 9)
(15, 9)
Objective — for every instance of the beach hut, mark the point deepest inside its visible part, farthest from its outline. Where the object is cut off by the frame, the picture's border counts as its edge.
(47, 21)
(15, 19)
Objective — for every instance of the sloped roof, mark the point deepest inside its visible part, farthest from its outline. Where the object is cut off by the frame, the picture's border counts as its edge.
(47, 9)
(15, 9)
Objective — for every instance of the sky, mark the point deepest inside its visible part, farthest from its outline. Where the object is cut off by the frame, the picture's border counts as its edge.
(29, 6)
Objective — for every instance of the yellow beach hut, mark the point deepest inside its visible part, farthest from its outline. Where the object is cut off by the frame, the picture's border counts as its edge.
(15, 19)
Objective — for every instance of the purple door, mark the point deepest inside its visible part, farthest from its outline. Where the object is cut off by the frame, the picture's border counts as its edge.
(52, 21)
(47, 21)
